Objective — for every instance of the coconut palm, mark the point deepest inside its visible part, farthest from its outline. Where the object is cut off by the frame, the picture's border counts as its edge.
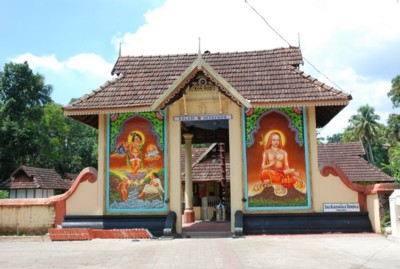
(364, 127)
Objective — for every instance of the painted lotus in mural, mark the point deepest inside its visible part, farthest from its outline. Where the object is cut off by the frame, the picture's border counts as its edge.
(136, 180)
(277, 173)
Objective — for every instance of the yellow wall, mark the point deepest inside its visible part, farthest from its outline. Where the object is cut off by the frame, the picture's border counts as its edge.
(324, 189)
(174, 164)
(236, 158)
(373, 212)
(88, 199)
(26, 220)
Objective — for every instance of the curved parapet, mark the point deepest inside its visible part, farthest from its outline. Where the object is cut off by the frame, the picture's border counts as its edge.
(362, 190)
(88, 174)
(20, 215)
(59, 201)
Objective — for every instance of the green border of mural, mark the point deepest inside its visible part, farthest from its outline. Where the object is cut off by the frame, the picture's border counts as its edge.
(155, 117)
(294, 114)
(158, 120)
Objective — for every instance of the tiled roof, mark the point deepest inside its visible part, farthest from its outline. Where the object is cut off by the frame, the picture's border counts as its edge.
(265, 78)
(34, 178)
(70, 178)
(348, 156)
(203, 167)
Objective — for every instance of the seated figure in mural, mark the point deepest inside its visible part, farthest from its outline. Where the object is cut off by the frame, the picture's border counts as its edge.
(123, 188)
(275, 168)
(153, 189)
(133, 152)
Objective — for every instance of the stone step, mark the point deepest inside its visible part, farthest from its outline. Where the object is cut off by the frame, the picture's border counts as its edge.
(206, 234)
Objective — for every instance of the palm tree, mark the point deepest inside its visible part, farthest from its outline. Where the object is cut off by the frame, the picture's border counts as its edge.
(364, 127)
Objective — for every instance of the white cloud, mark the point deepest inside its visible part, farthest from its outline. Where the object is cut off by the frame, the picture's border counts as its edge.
(343, 39)
(227, 25)
(90, 64)
(353, 42)
(46, 62)
(72, 78)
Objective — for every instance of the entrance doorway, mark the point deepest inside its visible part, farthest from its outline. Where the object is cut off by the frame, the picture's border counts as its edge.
(210, 178)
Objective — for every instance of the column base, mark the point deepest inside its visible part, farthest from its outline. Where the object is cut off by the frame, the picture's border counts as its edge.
(188, 216)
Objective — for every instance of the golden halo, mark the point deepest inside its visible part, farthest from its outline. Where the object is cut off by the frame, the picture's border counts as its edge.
(282, 135)
(139, 133)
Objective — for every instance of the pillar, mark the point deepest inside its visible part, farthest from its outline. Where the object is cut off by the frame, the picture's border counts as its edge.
(188, 214)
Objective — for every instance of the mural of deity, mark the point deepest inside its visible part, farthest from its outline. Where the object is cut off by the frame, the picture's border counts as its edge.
(136, 179)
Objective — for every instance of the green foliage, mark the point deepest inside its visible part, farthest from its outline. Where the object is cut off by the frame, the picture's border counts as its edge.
(156, 118)
(394, 93)
(393, 123)
(385, 221)
(364, 127)
(23, 93)
(393, 165)
(3, 194)
(22, 97)
(34, 130)
(69, 146)
(336, 138)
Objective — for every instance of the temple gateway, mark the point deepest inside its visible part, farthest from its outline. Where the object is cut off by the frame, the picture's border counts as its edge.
(252, 116)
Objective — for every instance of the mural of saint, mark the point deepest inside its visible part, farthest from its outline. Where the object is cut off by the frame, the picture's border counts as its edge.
(275, 169)
(276, 161)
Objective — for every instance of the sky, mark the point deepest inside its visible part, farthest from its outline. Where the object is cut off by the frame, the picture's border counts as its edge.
(353, 46)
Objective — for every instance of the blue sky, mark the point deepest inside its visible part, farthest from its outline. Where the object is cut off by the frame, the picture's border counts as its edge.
(74, 44)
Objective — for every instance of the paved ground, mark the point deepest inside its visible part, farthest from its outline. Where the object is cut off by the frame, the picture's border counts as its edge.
(299, 251)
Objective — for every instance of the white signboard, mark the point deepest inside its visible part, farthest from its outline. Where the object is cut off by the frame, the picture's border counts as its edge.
(351, 207)
(203, 117)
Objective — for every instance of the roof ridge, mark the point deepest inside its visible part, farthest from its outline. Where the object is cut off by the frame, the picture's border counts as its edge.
(211, 53)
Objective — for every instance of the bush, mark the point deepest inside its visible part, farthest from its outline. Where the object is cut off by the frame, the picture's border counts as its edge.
(3, 194)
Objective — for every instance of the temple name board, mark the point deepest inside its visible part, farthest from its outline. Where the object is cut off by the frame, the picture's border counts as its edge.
(351, 207)
(203, 117)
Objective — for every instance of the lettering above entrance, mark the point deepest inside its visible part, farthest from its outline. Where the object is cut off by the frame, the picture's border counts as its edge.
(203, 117)
(277, 167)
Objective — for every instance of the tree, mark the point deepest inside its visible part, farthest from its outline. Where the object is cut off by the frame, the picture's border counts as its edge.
(393, 127)
(394, 163)
(394, 93)
(336, 138)
(22, 96)
(35, 131)
(69, 145)
(364, 127)
(23, 93)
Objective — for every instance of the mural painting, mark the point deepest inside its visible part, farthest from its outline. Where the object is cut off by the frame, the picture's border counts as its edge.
(136, 179)
(277, 172)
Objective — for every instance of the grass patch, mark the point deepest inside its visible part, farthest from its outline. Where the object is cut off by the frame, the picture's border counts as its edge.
(265, 202)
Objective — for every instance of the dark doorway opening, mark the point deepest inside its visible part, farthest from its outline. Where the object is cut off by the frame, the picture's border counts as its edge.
(210, 177)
